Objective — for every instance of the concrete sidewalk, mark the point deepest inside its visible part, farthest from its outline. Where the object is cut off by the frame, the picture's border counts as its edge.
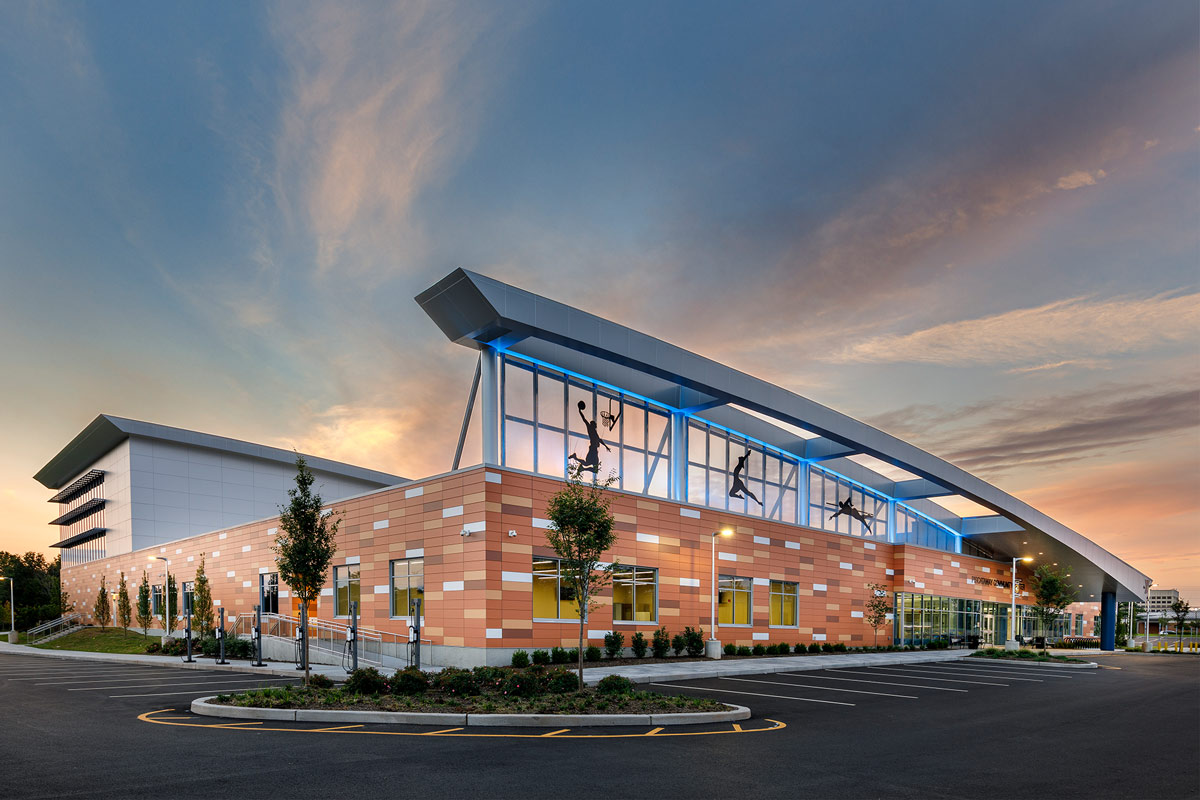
(690, 670)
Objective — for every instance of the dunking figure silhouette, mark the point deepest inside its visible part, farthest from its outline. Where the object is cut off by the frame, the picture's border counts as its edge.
(592, 461)
(738, 485)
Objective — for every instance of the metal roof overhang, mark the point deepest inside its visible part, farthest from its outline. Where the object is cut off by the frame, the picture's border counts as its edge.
(80, 538)
(474, 310)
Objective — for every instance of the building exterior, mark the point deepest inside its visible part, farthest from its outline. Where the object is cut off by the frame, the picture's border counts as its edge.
(695, 448)
(1161, 600)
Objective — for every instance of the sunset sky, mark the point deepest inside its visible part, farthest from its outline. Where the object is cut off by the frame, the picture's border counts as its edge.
(971, 224)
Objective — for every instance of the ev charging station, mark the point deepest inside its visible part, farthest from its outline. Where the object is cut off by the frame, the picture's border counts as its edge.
(187, 627)
(221, 638)
(414, 632)
(350, 653)
(258, 662)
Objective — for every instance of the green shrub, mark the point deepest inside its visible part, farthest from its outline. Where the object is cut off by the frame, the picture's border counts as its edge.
(1026, 654)
(562, 681)
(758, 650)
(815, 647)
(319, 680)
(410, 681)
(678, 644)
(693, 639)
(524, 683)
(614, 644)
(365, 680)
(541, 657)
(826, 647)
(744, 650)
(559, 656)
(783, 648)
(454, 681)
(614, 684)
(520, 659)
(592, 653)
(660, 643)
(800, 648)
(840, 647)
(730, 649)
(488, 677)
(573, 655)
(639, 645)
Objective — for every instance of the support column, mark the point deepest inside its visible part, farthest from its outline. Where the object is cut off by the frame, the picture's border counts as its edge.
(1108, 621)
(678, 457)
(802, 495)
(489, 396)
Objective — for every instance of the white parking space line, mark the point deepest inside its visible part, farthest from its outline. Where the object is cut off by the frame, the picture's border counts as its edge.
(1005, 672)
(823, 688)
(160, 685)
(100, 675)
(807, 675)
(91, 671)
(1045, 672)
(198, 692)
(947, 671)
(881, 671)
(753, 694)
(127, 678)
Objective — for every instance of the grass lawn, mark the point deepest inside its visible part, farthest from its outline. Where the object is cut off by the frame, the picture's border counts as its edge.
(94, 640)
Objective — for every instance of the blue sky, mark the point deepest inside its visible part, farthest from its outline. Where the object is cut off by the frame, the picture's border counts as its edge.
(972, 224)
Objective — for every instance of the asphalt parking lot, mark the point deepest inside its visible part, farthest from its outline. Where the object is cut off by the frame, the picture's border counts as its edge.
(977, 729)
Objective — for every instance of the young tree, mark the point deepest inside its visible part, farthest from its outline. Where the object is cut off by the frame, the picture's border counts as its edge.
(877, 608)
(581, 530)
(1180, 610)
(65, 603)
(101, 610)
(172, 603)
(202, 606)
(1053, 592)
(145, 617)
(124, 610)
(305, 545)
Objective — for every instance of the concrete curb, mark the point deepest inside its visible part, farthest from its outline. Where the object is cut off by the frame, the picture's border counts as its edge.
(203, 707)
(1031, 662)
(129, 659)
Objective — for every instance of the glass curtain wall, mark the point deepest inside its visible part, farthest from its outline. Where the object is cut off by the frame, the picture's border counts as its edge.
(920, 619)
(547, 420)
(913, 528)
(827, 489)
(769, 479)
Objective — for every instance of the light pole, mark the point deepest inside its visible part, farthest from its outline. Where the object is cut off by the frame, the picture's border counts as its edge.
(12, 610)
(1011, 644)
(712, 648)
(1146, 645)
(166, 594)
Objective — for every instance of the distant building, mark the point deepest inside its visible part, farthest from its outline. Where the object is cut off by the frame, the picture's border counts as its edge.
(1163, 599)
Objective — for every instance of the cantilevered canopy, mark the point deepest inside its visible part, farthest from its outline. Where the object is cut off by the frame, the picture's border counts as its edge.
(477, 311)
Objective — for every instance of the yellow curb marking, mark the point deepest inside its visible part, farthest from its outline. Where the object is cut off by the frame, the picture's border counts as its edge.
(150, 716)
(555, 733)
(319, 730)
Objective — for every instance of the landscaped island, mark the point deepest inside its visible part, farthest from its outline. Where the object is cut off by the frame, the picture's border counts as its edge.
(1024, 655)
(483, 690)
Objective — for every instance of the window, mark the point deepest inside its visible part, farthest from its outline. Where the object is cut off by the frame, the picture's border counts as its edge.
(268, 592)
(345, 589)
(551, 598)
(156, 599)
(188, 589)
(733, 600)
(767, 480)
(635, 594)
(408, 584)
(784, 596)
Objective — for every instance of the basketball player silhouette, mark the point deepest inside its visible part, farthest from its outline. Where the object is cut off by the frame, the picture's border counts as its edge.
(591, 462)
(738, 487)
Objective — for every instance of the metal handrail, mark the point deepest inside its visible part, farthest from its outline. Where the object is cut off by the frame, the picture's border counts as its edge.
(54, 626)
(328, 636)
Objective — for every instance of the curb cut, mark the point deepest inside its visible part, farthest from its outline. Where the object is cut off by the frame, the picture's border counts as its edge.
(203, 707)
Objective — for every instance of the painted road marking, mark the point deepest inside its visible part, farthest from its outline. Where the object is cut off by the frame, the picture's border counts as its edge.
(555, 733)
(1045, 672)
(42, 676)
(1004, 677)
(753, 694)
(123, 678)
(880, 671)
(315, 730)
(860, 680)
(656, 733)
(157, 685)
(824, 688)
(197, 692)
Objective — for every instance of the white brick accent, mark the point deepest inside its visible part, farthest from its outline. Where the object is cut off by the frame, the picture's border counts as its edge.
(452, 586)
(245, 548)
(475, 527)
(327, 593)
(971, 581)
(792, 545)
(415, 552)
(494, 633)
(761, 540)
(191, 558)
(689, 512)
(869, 545)
(889, 617)
(937, 571)
(216, 553)
(417, 492)
(818, 637)
(986, 569)
(761, 582)
(223, 535)
(955, 564)
(918, 584)
(379, 524)
(543, 524)
(270, 532)
(492, 477)
(648, 538)
(452, 511)
(846, 565)
(890, 571)
(761, 637)
(284, 593)
(353, 560)
(689, 582)
(381, 589)
(856, 614)
(245, 584)
(263, 570)
(726, 556)
(229, 574)
(517, 577)
(820, 587)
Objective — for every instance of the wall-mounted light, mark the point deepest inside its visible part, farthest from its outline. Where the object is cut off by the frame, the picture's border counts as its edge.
(465, 532)
(512, 534)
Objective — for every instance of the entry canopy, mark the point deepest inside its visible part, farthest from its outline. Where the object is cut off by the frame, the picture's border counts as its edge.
(478, 312)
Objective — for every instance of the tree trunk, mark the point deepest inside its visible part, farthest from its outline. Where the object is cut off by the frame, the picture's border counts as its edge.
(304, 627)
(582, 622)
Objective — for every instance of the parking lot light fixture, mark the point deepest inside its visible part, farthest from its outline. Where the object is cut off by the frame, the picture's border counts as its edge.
(166, 594)
(713, 650)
